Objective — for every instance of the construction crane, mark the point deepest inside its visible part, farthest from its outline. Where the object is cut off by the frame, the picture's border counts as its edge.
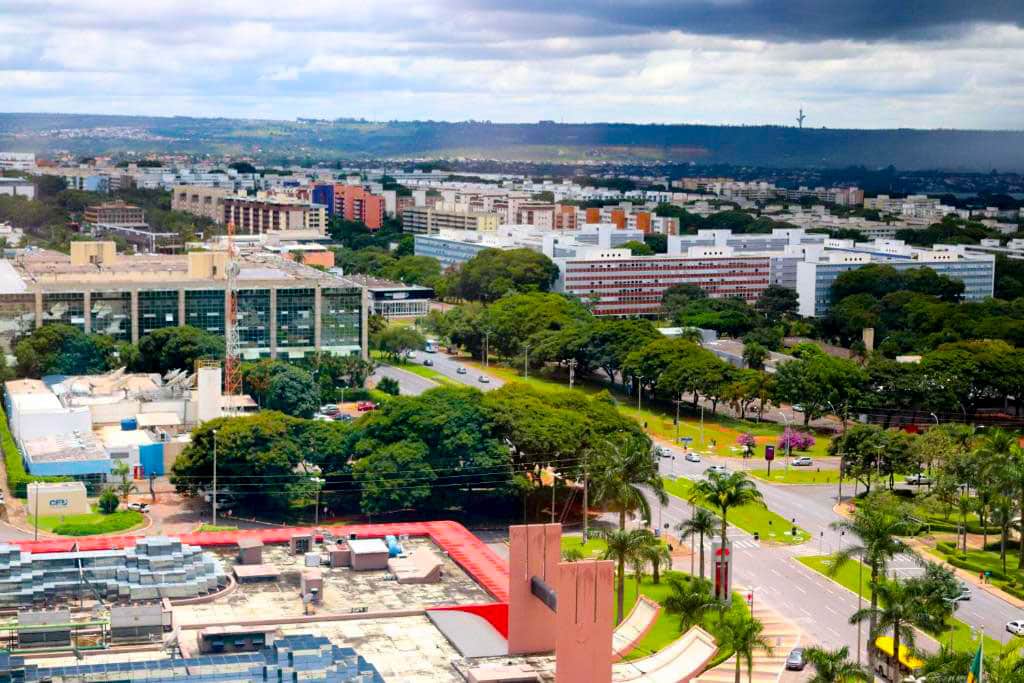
(800, 118)
(232, 360)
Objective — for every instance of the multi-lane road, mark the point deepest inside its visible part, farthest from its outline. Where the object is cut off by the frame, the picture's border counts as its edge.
(820, 606)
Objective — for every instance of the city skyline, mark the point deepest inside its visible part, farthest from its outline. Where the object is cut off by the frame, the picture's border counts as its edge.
(858, 65)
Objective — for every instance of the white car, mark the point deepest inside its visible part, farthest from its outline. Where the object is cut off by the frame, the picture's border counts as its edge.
(411, 355)
(717, 469)
(483, 379)
(803, 462)
(138, 507)
(1016, 627)
(692, 457)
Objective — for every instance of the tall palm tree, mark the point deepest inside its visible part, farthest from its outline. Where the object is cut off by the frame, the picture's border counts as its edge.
(657, 555)
(964, 505)
(877, 528)
(702, 523)
(622, 547)
(621, 473)
(901, 610)
(1015, 475)
(723, 492)
(743, 634)
(689, 599)
(1002, 514)
(834, 666)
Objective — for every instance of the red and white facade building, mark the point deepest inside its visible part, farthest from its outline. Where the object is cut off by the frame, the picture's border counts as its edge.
(615, 283)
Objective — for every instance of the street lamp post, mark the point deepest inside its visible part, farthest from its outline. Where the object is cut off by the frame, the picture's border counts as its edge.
(572, 371)
(214, 477)
(677, 402)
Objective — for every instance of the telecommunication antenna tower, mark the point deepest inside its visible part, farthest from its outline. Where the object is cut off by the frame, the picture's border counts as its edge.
(232, 360)
(800, 118)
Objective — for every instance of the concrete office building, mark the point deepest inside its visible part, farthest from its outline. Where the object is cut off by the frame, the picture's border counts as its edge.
(114, 213)
(351, 203)
(430, 221)
(207, 202)
(817, 272)
(263, 213)
(613, 282)
(394, 299)
(17, 161)
(17, 187)
(285, 309)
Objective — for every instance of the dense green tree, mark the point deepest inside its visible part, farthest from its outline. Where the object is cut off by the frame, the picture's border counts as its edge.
(689, 600)
(777, 302)
(818, 380)
(292, 391)
(870, 453)
(733, 317)
(389, 385)
(59, 349)
(177, 348)
(623, 473)
(678, 297)
(396, 342)
(612, 340)
(108, 502)
(754, 355)
(898, 611)
(516, 319)
(637, 248)
(657, 242)
(413, 270)
(394, 477)
(492, 273)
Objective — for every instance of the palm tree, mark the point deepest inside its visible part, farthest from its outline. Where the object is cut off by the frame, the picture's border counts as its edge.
(702, 523)
(1015, 475)
(656, 554)
(125, 487)
(725, 491)
(621, 474)
(689, 599)
(877, 527)
(902, 609)
(574, 554)
(964, 505)
(1002, 513)
(622, 547)
(834, 666)
(743, 634)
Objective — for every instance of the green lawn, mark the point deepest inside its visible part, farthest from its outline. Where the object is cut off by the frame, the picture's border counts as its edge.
(424, 371)
(751, 518)
(667, 627)
(595, 546)
(959, 634)
(719, 432)
(219, 527)
(804, 475)
(89, 524)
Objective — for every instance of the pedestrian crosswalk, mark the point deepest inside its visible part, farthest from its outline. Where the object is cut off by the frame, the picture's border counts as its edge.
(747, 543)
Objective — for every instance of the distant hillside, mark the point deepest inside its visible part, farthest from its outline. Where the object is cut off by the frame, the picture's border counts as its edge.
(773, 146)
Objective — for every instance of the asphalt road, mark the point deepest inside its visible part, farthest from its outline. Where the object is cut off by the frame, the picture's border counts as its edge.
(817, 604)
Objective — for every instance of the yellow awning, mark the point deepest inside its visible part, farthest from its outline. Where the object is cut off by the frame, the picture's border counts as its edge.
(884, 644)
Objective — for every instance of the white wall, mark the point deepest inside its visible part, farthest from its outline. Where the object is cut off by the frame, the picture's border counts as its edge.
(35, 424)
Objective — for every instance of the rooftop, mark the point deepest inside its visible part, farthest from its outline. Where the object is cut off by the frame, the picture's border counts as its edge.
(373, 283)
(71, 447)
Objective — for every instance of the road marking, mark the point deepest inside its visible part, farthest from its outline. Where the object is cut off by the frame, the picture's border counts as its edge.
(797, 586)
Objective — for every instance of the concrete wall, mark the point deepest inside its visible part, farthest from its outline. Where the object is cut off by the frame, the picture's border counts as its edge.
(29, 424)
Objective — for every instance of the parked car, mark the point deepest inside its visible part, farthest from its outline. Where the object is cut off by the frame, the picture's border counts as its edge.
(483, 379)
(428, 362)
(717, 469)
(965, 592)
(798, 408)
(692, 456)
(138, 507)
(803, 461)
(1016, 627)
(796, 661)
(918, 479)
(364, 406)
(460, 370)
(342, 417)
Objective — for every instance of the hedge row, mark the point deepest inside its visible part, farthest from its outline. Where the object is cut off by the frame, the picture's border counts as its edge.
(952, 527)
(17, 477)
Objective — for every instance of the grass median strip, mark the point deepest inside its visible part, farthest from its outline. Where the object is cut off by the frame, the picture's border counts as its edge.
(851, 578)
(771, 526)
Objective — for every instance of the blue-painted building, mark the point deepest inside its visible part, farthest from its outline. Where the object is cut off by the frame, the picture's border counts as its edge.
(324, 194)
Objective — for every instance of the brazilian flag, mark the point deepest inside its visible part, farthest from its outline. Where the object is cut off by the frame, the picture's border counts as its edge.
(974, 674)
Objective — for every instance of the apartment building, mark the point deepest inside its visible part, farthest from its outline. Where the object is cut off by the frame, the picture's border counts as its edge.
(285, 309)
(199, 200)
(539, 214)
(422, 220)
(266, 213)
(114, 213)
(17, 161)
(351, 203)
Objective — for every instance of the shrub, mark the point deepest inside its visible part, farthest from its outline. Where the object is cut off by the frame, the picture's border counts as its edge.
(17, 478)
(389, 385)
(797, 441)
(108, 502)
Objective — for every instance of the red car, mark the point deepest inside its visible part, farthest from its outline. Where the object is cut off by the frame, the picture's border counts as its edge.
(364, 406)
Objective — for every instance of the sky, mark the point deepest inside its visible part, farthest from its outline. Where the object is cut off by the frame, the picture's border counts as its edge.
(870, 64)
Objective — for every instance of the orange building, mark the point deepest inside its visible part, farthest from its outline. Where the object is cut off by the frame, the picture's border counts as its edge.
(565, 217)
(643, 222)
(593, 215)
(619, 218)
(353, 203)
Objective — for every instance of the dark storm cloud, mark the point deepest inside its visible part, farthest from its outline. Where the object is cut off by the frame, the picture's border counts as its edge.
(796, 20)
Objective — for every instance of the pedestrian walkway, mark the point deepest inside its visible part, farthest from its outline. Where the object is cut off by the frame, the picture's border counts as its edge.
(783, 635)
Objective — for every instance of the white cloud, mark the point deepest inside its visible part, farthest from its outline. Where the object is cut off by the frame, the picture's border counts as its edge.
(460, 59)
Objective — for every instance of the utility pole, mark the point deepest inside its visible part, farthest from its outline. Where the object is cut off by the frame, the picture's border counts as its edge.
(487, 340)
(586, 520)
(317, 483)
(572, 371)
(214, 477)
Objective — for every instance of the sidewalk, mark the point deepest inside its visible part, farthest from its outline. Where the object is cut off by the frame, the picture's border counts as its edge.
(783, 635)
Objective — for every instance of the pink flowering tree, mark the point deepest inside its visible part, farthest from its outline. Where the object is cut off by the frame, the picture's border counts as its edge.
(745, 439)
(795, 441)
